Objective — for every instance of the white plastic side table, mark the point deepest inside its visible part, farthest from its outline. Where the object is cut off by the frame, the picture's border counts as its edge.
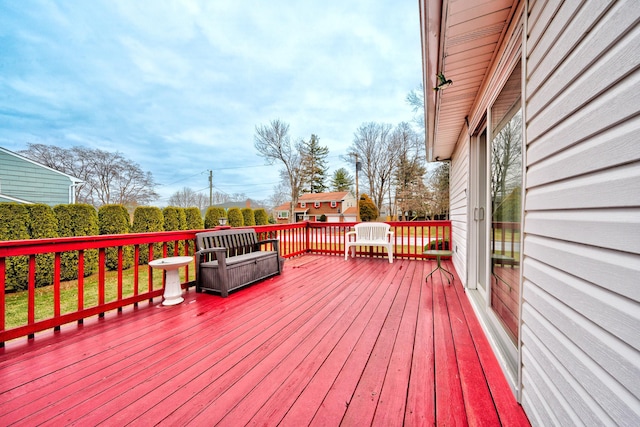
(172, 289)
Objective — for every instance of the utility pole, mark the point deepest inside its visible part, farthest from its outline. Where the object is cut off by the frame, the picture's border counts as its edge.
(210, 187)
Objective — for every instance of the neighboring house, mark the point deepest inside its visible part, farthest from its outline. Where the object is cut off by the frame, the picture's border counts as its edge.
(541, 127)
(336, 207)
(23, 180)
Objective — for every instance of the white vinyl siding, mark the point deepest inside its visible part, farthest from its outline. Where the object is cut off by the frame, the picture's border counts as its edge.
(581, 288)
(459, 206)
(28, 181)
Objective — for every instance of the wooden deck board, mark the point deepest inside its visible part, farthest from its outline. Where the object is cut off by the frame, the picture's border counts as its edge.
(329, 342)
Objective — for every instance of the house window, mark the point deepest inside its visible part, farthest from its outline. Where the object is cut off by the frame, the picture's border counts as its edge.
(283, 214)
(303, 204)
(316, 205)
(334, 204)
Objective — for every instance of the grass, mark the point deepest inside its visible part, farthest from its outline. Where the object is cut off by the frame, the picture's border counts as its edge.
(17, 303)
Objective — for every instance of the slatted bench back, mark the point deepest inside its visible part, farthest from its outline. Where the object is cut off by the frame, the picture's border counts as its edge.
(237, 242)
(373, 231)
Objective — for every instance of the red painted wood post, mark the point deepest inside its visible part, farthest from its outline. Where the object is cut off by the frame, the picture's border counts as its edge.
(3, 299)
(80, 283)
(31, 316)
(120, 275)
(101, 290)
(56, 288)
(150, 271)
(136, 270)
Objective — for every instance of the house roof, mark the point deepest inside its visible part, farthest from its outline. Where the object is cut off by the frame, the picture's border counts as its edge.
(350, 211)
(324, 197)
(461, 43)
(337, 196)
(14, 199)
(26, 159)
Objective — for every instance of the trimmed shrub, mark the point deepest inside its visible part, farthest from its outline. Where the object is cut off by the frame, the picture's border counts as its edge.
(235, 218)
(368, 210)
(13, 226)
(261, 216)
(114, 219)
(174, 219)
(323, 218)
(248, 218)
(77, 220)
(148, 219)
(42, 224)
(213, 215)
(193, 219)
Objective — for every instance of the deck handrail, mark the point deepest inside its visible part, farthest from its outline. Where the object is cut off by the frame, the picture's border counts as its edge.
(295, 239)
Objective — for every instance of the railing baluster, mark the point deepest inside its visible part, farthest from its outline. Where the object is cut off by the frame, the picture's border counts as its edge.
(31, 317)
(295, 239)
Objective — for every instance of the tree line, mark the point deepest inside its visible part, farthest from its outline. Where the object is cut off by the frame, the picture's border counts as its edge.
(390, 159)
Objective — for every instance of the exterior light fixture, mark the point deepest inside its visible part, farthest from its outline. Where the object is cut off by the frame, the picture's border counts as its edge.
(443, 83)
(222, 221)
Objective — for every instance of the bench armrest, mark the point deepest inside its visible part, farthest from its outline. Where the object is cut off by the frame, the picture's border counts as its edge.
(274, 242)
(348, 235)
(202, 252)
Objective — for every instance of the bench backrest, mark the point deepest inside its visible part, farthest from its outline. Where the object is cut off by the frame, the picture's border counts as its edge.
(371, 231)
(237, 242)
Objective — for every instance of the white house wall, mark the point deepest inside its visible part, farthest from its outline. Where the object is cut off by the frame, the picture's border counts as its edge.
(581, 270)
(459, 205)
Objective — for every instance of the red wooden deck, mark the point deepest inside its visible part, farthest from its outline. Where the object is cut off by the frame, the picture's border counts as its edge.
(329, 342)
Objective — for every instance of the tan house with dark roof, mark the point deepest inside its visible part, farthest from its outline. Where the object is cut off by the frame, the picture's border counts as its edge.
(336, 207)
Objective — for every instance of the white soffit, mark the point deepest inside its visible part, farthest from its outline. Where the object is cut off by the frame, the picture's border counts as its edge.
(471, 32)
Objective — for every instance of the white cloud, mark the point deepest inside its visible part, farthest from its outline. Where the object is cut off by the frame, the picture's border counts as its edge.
(178, 86)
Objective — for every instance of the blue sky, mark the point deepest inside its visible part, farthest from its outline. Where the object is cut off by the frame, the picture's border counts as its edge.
(179, 86)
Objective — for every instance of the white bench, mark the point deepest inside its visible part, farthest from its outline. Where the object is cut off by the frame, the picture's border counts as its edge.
(369, 234)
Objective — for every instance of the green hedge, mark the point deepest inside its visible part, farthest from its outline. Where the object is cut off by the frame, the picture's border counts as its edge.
(235, 218)
(248, 217)
(13, 226)
(193, 218)
(114, 219)
(148, 219)
(213, 215)
(174, 220)
(261, 216)
(42, 224)
(77, 220)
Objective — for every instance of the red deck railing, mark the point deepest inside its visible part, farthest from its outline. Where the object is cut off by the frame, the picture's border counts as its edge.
(111, 290)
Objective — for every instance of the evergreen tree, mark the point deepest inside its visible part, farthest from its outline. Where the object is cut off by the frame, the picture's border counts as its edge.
(314, 165)
(368, 209)
(342, 180)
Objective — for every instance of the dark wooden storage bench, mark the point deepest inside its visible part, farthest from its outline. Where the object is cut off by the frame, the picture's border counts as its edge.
(230, 259)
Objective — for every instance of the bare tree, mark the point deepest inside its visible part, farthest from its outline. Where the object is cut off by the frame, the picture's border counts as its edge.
(187, 197)
(108, 177)
(374, 147)
(415, 99)
(280, 194)
(410, 191)
(439, 182)
(274, 144)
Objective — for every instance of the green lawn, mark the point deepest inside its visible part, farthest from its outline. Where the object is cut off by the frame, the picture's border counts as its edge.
(16, 303)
